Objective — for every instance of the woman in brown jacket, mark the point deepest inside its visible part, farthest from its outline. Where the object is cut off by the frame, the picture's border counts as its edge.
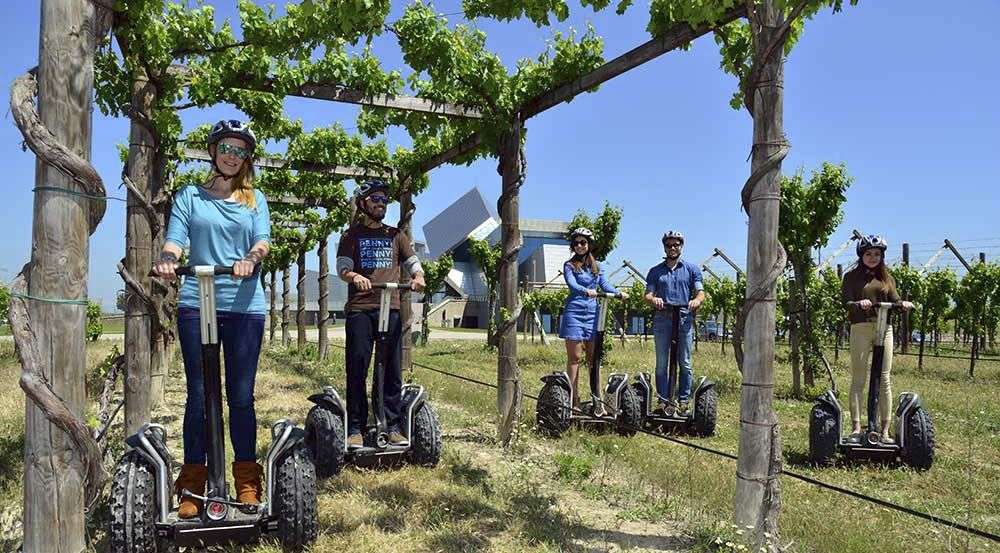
(869, 283)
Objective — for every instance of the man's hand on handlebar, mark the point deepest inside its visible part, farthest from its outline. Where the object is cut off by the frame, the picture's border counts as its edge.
(361, 283)
(694, 304)
(591, 293)
(417, 283)
(658, 303)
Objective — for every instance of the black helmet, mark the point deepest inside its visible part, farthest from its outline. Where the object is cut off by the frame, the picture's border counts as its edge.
(866, 243)
(233, 128)
(676, 235)
(367, 188)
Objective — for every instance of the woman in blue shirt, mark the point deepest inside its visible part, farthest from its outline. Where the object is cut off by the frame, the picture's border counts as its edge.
(226, 222)
(579, 318)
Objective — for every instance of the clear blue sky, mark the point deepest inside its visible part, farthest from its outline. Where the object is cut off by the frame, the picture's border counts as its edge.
(904, 93)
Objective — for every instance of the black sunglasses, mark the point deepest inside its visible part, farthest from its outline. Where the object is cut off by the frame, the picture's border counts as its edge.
(579, 242)
(384, 200)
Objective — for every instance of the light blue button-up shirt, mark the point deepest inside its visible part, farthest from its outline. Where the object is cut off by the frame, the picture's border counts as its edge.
(675, 286)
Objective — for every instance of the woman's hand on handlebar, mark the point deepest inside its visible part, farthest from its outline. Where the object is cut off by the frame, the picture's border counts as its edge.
(164, 268)
(361, 282)
(865, 304)
(591, 293)
(243, 268)
(906, 305)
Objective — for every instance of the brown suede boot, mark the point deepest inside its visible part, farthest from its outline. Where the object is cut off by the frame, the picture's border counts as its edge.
(246, 475)
(191, 478)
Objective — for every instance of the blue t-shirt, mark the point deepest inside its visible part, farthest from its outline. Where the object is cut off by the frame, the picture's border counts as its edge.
(221, 232)
(675, 285)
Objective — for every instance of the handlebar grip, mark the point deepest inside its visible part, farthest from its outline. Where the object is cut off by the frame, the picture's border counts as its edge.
(386, 285)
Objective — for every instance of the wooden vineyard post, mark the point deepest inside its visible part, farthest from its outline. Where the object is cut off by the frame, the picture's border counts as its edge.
(286, 284)
(406, 209)
(139, 258)
(300, 302)
(758, 493)
(53, 515)
(508, 373)
(324, 292)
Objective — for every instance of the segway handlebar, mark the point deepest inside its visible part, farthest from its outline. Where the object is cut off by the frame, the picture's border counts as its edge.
(196, 270)
(386, 286)
(608, 295)
(885, 304)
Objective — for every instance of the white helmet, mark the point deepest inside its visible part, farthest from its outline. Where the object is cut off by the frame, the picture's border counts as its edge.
(866, 243)
(676, 235)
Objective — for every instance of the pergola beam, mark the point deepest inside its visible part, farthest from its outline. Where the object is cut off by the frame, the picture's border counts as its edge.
(343, 94)
(677, 36)
(275, 163)
(337, 93)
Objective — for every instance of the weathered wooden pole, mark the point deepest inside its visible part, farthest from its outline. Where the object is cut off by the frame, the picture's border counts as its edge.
(139, 256)
(300, 302)
(508, 373)
(905, 322)
(758, 498)
(53, 514)
(274, 308)
(324, 312)
(286, 284)
(406, 209)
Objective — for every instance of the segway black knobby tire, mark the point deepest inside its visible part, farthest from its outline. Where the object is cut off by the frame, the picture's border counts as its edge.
(630, 412)
(706, 407)
(552, 412)
(425, 443)
(326, 441)
(295, 498)
(133, 508)
(640, 392)
(822, 434)
(918, 450)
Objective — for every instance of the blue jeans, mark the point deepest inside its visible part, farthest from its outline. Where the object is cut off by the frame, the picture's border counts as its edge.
(240, 335)
(662, 331)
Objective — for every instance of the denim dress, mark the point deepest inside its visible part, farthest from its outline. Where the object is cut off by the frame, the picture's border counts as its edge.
(579, 317)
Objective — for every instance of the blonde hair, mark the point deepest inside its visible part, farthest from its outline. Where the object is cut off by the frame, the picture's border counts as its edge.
(242, 181)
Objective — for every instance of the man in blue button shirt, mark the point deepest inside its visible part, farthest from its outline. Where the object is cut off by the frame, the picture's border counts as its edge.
(671, 283)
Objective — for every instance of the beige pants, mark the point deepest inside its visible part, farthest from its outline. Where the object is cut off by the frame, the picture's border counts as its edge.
(862, 340)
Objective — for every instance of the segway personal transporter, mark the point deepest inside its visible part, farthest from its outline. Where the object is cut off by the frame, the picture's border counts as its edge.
(913, 429)
(326, 424)
(143, 517)
(618, 407)
(699, 421)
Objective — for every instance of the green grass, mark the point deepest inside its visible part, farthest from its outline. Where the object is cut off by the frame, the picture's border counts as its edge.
(963, 485)
(586, 491)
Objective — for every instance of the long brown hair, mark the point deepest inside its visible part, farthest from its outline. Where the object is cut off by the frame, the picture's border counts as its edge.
(242, 180)
(881, 272)
(586, 260)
